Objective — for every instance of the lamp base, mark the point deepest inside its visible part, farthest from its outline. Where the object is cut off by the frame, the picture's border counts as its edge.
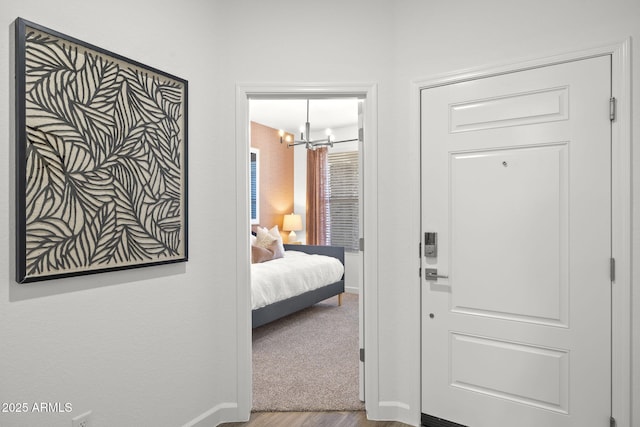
(292, 237)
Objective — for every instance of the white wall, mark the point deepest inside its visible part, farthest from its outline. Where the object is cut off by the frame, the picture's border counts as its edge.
(155, 346)
(138, 347)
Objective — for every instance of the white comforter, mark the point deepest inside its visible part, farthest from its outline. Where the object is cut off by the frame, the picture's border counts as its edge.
(292, 275)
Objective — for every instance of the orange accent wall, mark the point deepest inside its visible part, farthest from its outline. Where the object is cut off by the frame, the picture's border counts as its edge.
(276, 175)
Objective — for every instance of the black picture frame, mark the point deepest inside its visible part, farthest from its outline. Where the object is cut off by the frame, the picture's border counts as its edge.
(101, 159)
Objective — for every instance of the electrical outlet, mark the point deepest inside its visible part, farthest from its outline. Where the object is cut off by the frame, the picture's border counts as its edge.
(83, 420)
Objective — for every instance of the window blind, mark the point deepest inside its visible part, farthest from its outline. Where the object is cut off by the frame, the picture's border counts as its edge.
(343, 200)
(254, 186)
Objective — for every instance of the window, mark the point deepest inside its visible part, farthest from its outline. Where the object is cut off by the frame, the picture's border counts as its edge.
(343, 200)
(254, 179)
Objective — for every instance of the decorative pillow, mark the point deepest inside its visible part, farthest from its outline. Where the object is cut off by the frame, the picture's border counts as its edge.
(264, 239)
(259, 254)
(277, 247)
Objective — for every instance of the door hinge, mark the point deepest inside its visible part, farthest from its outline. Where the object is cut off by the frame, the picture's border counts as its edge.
(362, 355)
(612, 269)
(361, 243)
(612, 422)
(612, 108)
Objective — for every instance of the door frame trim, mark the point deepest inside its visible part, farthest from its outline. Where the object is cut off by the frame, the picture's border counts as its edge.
(245, 92)
(622, 407)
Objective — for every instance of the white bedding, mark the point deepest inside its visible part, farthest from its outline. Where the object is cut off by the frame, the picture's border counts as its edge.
(292, 275)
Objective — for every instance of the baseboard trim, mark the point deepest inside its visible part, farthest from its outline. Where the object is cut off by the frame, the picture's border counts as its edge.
(393, 411)
(224, 412)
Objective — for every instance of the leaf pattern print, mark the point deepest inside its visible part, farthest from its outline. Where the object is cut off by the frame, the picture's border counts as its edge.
(104, 160)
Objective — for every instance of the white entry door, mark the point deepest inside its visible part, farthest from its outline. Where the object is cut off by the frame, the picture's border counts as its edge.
(516, 182)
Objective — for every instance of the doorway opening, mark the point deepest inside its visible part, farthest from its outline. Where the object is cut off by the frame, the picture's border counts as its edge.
(306, 184)
(368, 323)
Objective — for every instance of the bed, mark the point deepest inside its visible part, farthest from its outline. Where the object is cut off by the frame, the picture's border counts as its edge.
(270, 299)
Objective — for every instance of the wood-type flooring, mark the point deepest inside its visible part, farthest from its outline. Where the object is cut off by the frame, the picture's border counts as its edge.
(312, 419)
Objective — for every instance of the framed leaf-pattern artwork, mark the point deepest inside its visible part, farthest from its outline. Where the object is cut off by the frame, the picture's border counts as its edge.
(101, 159)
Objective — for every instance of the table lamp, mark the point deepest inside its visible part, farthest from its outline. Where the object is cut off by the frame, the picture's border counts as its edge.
(292, 223)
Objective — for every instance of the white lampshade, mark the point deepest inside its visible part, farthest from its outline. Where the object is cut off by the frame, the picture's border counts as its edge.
(292, 223)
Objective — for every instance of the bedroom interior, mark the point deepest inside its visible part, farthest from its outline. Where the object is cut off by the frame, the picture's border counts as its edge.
(283, 171)
(283, 184)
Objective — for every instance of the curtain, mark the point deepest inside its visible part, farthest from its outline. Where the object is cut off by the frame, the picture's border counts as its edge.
(317, 197)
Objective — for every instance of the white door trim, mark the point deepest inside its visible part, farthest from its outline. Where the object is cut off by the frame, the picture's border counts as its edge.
(243, 310)
(622, 406)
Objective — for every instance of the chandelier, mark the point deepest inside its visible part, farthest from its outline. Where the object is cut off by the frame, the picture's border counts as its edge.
(305, 137)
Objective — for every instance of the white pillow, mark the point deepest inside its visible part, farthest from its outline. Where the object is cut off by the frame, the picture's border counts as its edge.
(264, 239)
(277, 247)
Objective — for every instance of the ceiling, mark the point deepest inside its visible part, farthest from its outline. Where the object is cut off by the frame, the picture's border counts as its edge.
(291, 114)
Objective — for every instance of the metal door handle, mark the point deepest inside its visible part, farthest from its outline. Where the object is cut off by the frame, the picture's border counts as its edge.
(432, 274)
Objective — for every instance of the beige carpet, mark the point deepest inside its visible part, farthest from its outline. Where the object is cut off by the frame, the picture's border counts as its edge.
(308, 361)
